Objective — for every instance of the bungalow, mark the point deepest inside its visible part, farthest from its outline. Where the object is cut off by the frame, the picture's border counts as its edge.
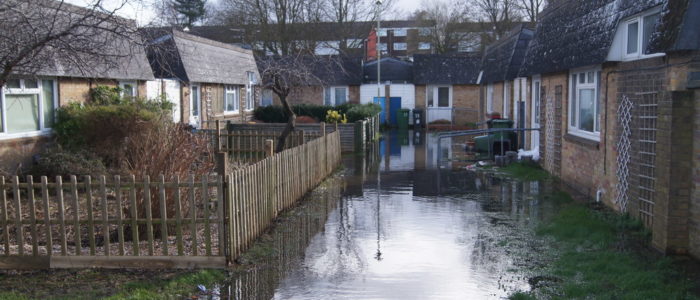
(339, 80)
(615, 93)
(396, 85)
(447, 87)
(210, 80)
(504, 90)
(28, 100)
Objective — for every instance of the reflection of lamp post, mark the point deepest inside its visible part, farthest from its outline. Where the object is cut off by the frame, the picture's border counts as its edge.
(379, 51)
(378, 256)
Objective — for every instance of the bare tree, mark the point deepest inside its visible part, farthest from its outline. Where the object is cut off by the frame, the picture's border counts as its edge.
(499, 14)
(284, 74)
(446, 23)
(40, 35)
(531, 9)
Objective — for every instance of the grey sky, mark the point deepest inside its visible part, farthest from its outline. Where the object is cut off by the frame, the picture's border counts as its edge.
(142, 11)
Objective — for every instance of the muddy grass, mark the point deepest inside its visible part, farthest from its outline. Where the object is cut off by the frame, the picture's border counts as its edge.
(598, 254)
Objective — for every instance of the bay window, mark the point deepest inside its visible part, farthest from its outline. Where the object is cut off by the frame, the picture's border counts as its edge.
(231, 99)
(27, 107)
(584, 104)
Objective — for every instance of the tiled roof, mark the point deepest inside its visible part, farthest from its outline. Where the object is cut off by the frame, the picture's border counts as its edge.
(446, 69)
(502, 60)
(392, 69)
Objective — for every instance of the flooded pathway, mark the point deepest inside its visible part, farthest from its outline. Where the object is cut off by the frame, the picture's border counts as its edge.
(393, 226)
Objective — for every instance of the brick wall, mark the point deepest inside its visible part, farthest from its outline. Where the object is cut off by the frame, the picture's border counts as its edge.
(553, 91)
(466, 97)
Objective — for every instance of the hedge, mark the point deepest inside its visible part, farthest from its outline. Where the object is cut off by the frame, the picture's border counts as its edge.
(354, 112)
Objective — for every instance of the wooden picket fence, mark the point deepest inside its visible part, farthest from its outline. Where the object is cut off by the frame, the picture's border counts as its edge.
(167, 223)
(259, 192)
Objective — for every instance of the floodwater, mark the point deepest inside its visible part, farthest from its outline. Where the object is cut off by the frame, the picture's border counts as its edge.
(395, 226)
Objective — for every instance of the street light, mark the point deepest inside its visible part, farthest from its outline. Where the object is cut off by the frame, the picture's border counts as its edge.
(379, 52)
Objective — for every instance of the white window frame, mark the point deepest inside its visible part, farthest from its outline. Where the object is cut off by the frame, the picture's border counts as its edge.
(400, 32)
(639, 19)
(236, 91)
(574, 92)
(330, 90)
(424, 46)
(249, 90)
(536, 100)
(404, 46)
(435, 90)
(43, 129)
(133, 84)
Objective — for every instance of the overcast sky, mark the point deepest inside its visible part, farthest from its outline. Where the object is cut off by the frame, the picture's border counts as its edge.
(142, 11)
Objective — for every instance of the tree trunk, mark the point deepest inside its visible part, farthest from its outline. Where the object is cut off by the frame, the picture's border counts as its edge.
(291, 123)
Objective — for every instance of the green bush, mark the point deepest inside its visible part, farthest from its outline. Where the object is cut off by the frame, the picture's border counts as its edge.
(105, 95)
(270, 114)
(57, 161)
(364, 111)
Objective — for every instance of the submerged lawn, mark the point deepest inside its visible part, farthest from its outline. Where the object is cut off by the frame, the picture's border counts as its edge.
(599, 254)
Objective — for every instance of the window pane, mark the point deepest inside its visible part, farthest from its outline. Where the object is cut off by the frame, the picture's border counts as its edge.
(632, 37)
(536, 96)
(12, 84)
(649, 24)
(31, 84)
(443, 97)
(340, 96)
(22, 113)
(128, 90)
(399, 46)
(48, 102)
(586, 109)
(327, 96)
(195, 101)
(572, 104)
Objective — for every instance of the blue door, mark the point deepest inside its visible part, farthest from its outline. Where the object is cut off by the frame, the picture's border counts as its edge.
(381, 102)
(394, 106)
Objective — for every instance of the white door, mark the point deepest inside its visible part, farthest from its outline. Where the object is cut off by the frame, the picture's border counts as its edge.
(195, 105)
(535, 117)
(439, 103)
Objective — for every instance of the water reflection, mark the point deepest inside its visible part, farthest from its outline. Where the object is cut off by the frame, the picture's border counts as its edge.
(398, 227)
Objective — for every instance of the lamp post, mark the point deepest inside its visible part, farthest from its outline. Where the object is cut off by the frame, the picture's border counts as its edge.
(379, 52)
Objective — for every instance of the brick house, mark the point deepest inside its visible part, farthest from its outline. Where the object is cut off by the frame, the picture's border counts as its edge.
(612, 88)
(211, 80)
(447, 87)
(28, 101)
(339, 80)
(503, 90)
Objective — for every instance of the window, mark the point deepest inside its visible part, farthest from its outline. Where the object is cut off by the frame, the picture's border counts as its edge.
(266, 97)
(400, 32)
(489, 98)
(423, 46)
(381, 46)
(354, 43)
(249, 99)
(335, 95)
(194, 100)
(399, 46)
(638, 32)
(584, 106)
(128, 88)
(506, 100)
(424, 31)
(440, 93)
(231, 99)
(27, 107)
(536, 94)
(382, 32)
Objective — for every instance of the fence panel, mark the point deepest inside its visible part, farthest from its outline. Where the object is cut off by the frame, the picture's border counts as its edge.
(110, 223)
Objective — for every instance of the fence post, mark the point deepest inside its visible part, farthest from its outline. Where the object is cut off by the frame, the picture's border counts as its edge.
(269, 149)
(359, 139)
(222, 163)
(323, 128)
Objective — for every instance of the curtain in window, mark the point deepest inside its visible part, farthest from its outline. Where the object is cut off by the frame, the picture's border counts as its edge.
(22, 113)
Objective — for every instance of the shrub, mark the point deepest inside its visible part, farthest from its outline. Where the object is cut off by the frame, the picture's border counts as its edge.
(317, 112)
(364, 111)
(270, 114)
(57, 161)
(333, 116)
(105, 95)
(306, 120)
